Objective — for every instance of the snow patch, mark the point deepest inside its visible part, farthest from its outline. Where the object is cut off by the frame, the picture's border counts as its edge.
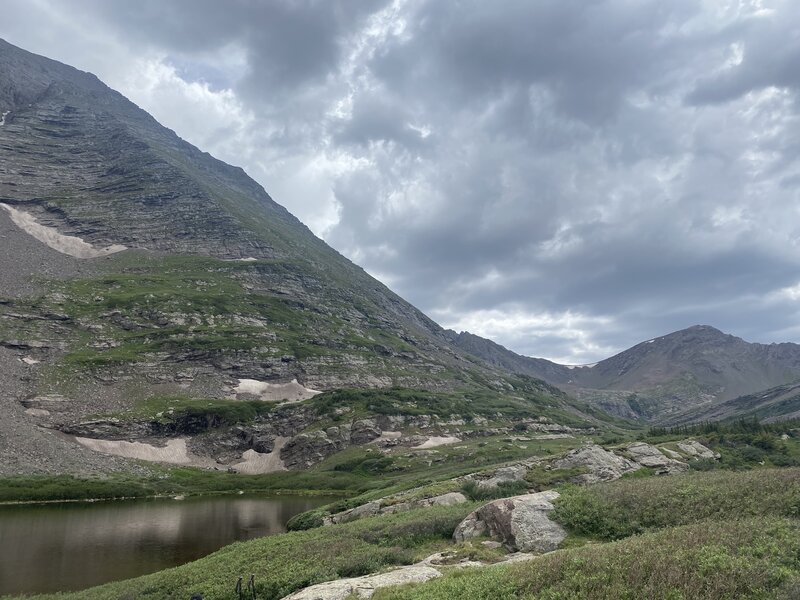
(66, 244)
(273, 392)
(3, 117)
(433, 442)
(29, 361)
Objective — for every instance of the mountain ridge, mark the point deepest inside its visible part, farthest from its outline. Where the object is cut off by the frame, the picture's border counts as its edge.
(220, 303)
(661, 377)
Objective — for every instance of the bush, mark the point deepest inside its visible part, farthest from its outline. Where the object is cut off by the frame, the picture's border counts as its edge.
(307, 520)
(623, 508)
(477, 492)
(752, 559)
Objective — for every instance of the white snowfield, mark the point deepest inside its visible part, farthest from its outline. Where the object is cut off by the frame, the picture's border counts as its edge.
(274, 392)
(3, 117)
(66, 244)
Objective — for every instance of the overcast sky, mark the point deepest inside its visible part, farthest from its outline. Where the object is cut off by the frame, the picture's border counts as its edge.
(566, 177)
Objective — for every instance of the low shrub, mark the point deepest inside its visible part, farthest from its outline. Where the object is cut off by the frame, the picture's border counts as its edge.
(474, 491)
(752, 559)
(623, 508)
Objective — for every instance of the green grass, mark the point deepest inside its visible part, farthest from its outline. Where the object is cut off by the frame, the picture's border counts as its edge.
(504, 489)
(627, 507)
(284, 563)
(173, 481)
(751, 559)
(215, 411)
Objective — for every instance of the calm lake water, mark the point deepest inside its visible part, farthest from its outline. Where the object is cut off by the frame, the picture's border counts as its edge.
(67, 547)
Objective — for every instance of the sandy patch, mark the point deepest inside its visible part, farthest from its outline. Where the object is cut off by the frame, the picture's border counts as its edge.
(433, 442)
(66, 244)
(258, 463)
(37, 412)
(175, 452)
(274, 392)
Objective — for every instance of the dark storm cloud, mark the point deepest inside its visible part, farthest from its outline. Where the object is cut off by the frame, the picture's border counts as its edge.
(568, 177)
(288, 42)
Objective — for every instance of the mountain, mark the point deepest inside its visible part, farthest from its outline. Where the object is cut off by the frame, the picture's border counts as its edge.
(156, 303)
(660, 379)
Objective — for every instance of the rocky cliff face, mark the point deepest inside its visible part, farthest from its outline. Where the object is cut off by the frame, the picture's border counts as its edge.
(139, 274)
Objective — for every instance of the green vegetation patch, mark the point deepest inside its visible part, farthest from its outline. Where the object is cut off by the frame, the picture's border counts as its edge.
(623, 508)
(504, 489)
(216, 412)
(467, 404)
(174, 481)
(752, 559)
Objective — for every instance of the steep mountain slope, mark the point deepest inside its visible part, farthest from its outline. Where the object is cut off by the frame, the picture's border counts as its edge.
(663, 377)
(163, 296)
(495, 354)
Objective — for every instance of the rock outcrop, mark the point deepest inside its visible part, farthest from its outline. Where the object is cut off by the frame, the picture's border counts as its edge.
(653, 458)
(365, 587)
(696, 450)
(520, 523)
(600, 464)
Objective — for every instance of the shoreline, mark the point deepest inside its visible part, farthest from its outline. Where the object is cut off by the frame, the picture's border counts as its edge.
(179, 497)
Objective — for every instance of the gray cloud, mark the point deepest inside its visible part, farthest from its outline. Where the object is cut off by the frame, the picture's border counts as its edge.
(567, 177)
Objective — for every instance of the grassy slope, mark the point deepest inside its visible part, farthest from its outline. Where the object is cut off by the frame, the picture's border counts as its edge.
(749, 559)
(699, 535)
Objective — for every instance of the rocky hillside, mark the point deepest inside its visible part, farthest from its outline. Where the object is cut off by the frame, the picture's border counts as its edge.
(775, 404)
(687, 371)
(150, 293)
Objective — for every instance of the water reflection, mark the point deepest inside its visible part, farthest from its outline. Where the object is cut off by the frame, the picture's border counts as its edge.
(73, 546)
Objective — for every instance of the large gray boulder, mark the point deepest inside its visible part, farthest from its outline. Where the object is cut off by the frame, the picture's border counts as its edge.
(651, 457)
(599, 463)
(521, 523)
